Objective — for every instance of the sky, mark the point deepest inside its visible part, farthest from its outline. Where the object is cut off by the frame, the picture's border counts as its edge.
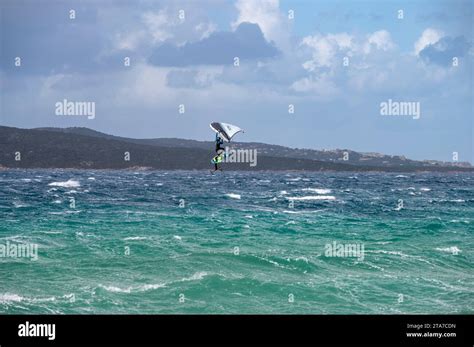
(333, 63)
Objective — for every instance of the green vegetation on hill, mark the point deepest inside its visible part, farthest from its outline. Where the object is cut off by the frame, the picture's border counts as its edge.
(85, 148)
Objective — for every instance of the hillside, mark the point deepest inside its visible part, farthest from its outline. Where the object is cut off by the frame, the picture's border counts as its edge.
(332, 156)
(85, 148)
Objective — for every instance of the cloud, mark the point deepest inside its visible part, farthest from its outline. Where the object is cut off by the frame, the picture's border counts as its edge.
(324, 49)
(153, 27)
(130, 40)
(158, 24)
(48, 41)
(428, 37)
(220, 48)
(265, 13)
(321, 86)
(190, 78)
(379, 40)
(328, 50)
(327, 53)
(205, 29)
(442, 51)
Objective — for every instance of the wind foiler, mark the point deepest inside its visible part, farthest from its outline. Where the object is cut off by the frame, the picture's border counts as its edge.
(224, 132)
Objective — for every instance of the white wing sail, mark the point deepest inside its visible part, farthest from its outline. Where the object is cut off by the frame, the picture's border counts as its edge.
(225, 130)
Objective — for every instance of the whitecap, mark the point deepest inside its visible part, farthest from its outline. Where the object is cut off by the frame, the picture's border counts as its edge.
(177, 237)
(196, 276)
(317, 190)
(270, 261)
(233, 196)
(141, 288)
(302, 258)
(17, 298)
(453, 249)
(389, 252)
(312, 197)
(147, 287)
(67, 184)
(10, 297)
(130, 238)
(292, 212)
(116, 289)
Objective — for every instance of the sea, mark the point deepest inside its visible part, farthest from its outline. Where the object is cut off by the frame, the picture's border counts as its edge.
(192, 242)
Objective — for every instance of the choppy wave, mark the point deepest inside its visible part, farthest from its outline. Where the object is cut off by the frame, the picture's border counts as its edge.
(452, 249)
(66, 184)
(147, 287)
(132, 238)
(129, 247)
(317, 190)
(233, 196)
(131, 289)
(312, 197)
(11, 298)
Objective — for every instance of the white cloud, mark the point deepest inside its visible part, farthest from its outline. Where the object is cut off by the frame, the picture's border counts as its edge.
(327, 75)
(146, 85)
(328, 50)
(428, 37)
(265, 13)
(157, 24)
(130, 40)
(205, 29)
(379, 40)
(154, 28)
(325, 47)
(320, 86)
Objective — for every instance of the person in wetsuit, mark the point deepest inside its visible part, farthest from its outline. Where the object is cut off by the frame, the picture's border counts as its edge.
(219, 150)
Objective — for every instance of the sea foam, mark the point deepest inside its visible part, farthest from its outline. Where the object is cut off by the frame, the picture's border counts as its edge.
(66, 184)
(234, 196)
(312, 197)
(317, 190)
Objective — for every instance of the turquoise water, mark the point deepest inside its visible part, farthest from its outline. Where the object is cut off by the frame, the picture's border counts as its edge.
(191, 242)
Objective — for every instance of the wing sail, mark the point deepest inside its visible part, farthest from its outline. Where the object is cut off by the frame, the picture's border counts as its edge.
(227, 131)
